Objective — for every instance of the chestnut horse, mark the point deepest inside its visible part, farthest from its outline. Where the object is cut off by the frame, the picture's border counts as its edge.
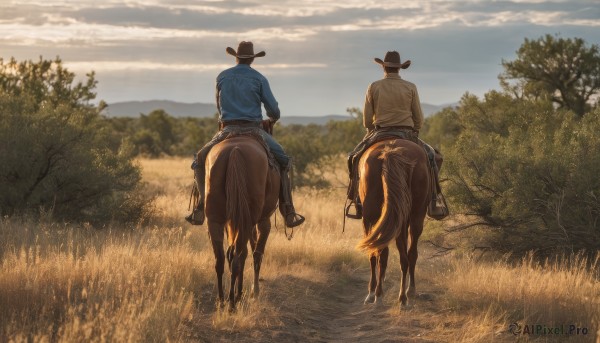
(241, 194)
(394, 190)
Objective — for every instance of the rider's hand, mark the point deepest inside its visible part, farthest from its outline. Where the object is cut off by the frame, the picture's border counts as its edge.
(268, 124)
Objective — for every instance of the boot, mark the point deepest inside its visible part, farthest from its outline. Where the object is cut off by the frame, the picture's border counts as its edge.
(438, 208)
(286, 206)
(352, 195)
(357, 206)
(197, 216)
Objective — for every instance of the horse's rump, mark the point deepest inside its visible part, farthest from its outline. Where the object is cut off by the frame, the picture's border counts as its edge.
(393, 186)
(239, 184)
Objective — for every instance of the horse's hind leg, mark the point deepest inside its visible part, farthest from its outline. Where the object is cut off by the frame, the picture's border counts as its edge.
(236, 266)
(258, 250)
(382, 262)
(416, 228)
(219, 265)
(373, 281)
(243, 254)
(401, 244)
(229, 256)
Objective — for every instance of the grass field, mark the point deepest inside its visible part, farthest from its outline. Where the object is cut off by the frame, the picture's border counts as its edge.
(156, 282)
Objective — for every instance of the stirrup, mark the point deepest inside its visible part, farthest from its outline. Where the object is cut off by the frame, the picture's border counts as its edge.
(358, 209)
(296, 219)
(196, 217)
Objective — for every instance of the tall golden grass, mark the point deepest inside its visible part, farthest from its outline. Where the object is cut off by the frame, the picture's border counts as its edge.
(155, 281)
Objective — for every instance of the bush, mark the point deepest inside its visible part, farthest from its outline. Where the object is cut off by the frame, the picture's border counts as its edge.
(528, 173)
(55, 149)
(312, 147)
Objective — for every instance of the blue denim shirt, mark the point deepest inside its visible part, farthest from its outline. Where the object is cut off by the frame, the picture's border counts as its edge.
(240, 92)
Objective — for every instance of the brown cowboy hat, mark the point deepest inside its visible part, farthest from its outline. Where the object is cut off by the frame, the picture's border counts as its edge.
(245, 50)
(392, 59)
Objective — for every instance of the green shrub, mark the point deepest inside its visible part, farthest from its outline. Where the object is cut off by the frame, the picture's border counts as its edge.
(528, 173)
(56, 151)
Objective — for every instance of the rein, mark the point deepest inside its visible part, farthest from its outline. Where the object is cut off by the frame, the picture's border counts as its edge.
(267, 126)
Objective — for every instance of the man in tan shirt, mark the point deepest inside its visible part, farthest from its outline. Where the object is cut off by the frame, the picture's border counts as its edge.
(392, 101)
(392, 110)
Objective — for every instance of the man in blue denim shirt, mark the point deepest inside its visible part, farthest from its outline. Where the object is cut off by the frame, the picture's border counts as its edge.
(240, 92)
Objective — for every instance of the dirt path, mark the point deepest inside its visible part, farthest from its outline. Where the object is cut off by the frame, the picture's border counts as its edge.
(353, 321)
(300, 310)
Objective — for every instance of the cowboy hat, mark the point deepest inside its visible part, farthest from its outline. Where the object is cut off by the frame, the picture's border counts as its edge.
(392, 59)
(245, 50)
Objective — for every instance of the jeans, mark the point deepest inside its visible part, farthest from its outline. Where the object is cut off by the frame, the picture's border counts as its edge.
(276, 149)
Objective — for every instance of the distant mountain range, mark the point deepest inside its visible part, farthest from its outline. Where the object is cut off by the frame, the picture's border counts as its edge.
(173, 108)
(197, 109)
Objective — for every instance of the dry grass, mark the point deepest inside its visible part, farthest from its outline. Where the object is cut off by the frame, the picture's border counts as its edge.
(156, 282)
(551, 294)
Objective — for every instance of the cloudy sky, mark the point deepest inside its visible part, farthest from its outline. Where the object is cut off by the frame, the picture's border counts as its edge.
(319, 52)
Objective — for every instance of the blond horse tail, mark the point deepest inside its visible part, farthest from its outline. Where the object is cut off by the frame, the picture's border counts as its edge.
(239, 220)
(397, 201)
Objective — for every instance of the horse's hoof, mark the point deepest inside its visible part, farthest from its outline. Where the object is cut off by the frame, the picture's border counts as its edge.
(403, 301)
(370, 299)
(255, 292)
(220, 304)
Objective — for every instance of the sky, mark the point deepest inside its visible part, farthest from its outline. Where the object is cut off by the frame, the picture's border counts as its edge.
(319, 53)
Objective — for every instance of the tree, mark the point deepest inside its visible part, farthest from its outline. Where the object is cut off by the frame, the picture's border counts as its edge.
(566, 71)
(160, 124)
(441, 129)
(526, 174)
(55, 151)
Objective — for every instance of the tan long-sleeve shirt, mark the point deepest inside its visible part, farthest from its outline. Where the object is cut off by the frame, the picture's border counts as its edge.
(392, 101)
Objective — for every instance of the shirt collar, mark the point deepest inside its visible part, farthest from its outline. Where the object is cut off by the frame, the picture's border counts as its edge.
(242, 65)
(392, 76)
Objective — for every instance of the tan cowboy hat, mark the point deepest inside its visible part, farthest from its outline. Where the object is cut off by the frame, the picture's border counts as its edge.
(392, 59)
(245, 50)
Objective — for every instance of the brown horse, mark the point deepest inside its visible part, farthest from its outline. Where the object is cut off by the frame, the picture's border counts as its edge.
(394, 189)
(241, 194)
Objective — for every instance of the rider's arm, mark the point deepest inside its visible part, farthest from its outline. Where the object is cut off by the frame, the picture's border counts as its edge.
(368, 111)
(267, 98)
(218, 96)
(417, 113)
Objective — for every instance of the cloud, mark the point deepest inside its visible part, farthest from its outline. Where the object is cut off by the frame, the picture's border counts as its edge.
(316, 49)
(111, 66)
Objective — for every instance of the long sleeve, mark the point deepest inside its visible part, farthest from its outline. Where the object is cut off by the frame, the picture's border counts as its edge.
(218, 99)
(417, 113)
(368, 111)
(268, 99)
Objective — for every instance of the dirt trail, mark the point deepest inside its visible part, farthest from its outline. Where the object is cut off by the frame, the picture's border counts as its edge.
(352, 321)
(329, 312)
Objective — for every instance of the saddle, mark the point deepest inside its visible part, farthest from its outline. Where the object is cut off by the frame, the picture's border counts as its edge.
(229, 130)
(238, 128)
(437, 208)
(375, 136)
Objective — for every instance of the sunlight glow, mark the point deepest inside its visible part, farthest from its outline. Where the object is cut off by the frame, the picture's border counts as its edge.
(148, 65)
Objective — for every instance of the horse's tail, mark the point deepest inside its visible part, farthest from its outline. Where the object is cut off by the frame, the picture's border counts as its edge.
(237, 205)
(397, 201)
